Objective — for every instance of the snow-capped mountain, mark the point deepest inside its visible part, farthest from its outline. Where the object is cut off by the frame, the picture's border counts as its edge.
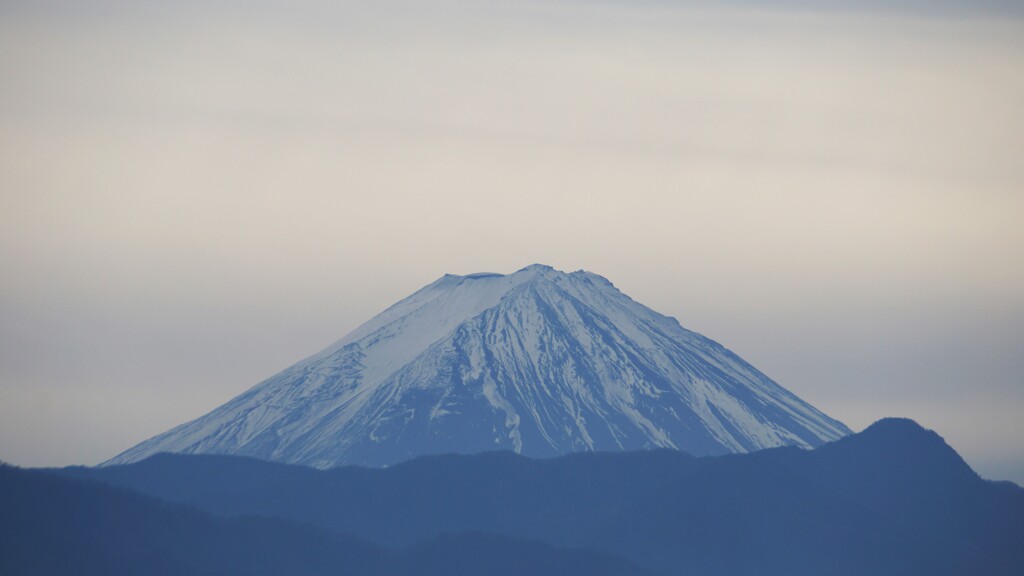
(540, 362)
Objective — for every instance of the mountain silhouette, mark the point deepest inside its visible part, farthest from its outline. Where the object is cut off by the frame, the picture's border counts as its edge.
(893, 499)
(55, 525)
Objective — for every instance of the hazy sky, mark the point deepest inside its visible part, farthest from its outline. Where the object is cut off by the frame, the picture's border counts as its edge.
(194, 195)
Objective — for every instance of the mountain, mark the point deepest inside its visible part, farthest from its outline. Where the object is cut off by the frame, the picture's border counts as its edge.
(539, 362)
(893, 499)
(56, 525)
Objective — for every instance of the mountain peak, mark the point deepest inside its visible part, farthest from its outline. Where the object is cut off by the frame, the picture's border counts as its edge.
(898, 426)
(901, 447)
(539, 362)
(902, 432)
(539, 268)
(533, 272)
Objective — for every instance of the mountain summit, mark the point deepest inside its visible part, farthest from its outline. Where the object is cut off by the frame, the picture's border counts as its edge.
(540, 362)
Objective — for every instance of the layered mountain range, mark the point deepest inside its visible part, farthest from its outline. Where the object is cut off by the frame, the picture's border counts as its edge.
(536, 423)
(894, 499)
(538, 362)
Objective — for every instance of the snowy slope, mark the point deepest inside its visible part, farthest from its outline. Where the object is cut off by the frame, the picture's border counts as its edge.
(540, 362)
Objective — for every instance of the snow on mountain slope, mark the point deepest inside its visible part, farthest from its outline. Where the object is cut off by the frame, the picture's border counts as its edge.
(540, 362)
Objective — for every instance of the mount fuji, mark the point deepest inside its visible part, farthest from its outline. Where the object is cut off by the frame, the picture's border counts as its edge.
(540, 362)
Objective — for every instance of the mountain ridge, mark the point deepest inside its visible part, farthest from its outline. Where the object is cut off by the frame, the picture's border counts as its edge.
(892, 499)
(58, 524)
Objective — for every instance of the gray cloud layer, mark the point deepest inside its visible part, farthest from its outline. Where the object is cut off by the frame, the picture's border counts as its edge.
(194, 195)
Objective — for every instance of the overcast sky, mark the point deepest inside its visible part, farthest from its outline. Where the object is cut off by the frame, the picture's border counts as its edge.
(194, 195)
